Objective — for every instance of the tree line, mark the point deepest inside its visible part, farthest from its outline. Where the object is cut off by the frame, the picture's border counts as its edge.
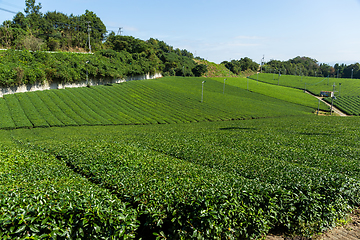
(52, 31)
(306, 66)
(241, 65)
(114, 55)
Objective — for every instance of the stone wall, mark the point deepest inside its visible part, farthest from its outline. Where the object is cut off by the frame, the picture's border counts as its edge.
(58, 85)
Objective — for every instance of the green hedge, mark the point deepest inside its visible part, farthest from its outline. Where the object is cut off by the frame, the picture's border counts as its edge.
(24, 67)
(16, 112)
(6, 122)
(236, 179)
(41, 198)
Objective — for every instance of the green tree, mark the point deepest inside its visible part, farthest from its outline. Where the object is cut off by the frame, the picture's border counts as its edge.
(244, 64)
(33, 15)
(97, 27)
(19, 21)
(199, 70)
(31, 8)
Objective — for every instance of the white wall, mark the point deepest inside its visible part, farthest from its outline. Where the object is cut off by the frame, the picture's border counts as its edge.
(57, 85)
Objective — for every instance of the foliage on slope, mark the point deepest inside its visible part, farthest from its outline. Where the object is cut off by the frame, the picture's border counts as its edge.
(42, 198)
(220, 70)
(343, 86)
(280, 92)
(346, 91)
(232, 180)
(165, 100)
(24, 67)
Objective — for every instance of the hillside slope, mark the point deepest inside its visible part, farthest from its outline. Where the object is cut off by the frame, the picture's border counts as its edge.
(287, 94)
(219, 70)
(158, 101)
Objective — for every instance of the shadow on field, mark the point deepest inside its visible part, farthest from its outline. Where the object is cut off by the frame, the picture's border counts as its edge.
(315, 134)
(236, 128)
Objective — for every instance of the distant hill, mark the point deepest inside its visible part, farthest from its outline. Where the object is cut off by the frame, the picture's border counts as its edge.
(219, 70)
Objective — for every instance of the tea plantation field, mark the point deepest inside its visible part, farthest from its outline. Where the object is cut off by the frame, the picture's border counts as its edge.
(287, 94)
(159, 101)
(349, 87)
(348, 104)
(148, 159)
(207, 180)
(347, 91)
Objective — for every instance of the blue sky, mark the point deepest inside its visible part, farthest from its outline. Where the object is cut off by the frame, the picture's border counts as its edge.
(221, 30)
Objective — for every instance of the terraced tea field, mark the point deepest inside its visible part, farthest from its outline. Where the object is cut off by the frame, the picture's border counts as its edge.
(347, 91)
(232, 179)
(149, 160)
(287, 94)
(166, 100)
(349, 105)
(349, 87)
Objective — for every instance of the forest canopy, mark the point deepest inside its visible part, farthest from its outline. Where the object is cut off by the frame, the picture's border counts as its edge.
(306, 66)
(113, 56)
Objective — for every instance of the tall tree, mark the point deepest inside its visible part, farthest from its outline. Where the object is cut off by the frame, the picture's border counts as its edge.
(33, 15)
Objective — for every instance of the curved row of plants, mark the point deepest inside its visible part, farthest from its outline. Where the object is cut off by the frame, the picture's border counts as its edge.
(349, 105)
(166, 100)
(238, 179)
(41, 198)
(280, 92)
(346, 90)
(343, 86)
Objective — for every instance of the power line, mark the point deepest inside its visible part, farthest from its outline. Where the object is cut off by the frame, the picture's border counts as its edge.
(11, 5)
(58, 24)
(8, 11)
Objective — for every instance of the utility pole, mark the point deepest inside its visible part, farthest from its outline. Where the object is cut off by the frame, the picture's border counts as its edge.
(119, 31)
(89, 29)
(332, 99)
(87, 74)
(262, 62)
(202, 90)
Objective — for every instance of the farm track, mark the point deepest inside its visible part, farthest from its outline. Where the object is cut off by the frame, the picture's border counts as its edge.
(337, 111)
(351, 231)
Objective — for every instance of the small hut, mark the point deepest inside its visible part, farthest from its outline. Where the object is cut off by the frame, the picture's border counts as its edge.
(326, 94)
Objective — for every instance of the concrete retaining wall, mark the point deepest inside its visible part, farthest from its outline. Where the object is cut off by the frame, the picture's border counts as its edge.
(58, 85)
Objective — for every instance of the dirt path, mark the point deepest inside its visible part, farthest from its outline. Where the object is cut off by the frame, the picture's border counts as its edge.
(336, 111)
(351, 231)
